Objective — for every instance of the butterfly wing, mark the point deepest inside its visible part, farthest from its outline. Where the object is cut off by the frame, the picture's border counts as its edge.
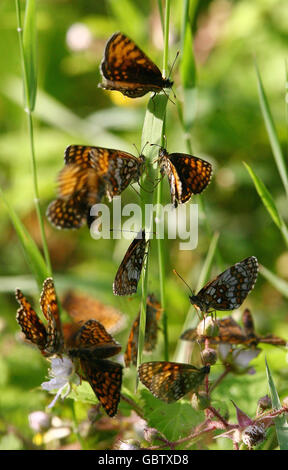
(170, 381)
(129, 271)
(82, 308)
(68, 213)
(105, 378)
(127, 69)
(228, 290)
(49, 307)
(93, 341)
(194, 175)
(132, 344)
(31, 325)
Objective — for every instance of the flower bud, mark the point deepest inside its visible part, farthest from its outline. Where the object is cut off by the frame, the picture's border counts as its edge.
(264, 403)
(253, 435)
(209, 356)
(200, 401)
(208, 328)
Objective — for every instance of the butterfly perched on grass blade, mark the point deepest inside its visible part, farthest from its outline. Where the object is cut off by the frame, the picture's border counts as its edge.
(228, 290)
(82, 307)
(187, 174)
(49, 339)
(170, 381)
(153, 313)
(127, 69)
(91, 345)
(129, 271)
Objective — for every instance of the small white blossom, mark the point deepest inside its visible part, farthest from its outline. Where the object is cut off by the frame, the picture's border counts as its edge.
(62, 376)
(39, 421)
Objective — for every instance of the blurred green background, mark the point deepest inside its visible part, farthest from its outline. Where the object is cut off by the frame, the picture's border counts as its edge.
(70, 109)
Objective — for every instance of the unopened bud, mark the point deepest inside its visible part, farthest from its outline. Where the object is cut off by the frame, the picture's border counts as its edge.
(200, 401)
(253, 435)
(264, 403)
(208, 328)
(209, 356)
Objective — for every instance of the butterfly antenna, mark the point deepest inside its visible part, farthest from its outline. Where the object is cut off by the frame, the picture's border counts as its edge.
(173, 64)
(175, 272)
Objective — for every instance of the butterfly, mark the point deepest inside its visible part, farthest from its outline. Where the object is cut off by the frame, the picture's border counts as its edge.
(187, 174)
(82, 307)
(153, 313)
(170, 381)
(129, 271)
(228, 290)
(92, 344)
(90, 173)
(49, 339)
(254, 339)
(127, 69)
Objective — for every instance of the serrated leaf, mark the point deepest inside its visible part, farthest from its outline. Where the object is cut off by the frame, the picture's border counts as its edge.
(174, 421)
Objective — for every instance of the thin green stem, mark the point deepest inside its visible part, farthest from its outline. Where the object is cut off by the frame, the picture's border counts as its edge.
(27, 108)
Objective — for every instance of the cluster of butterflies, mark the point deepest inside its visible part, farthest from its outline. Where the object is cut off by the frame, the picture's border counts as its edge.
(89, 344)
(89, 174)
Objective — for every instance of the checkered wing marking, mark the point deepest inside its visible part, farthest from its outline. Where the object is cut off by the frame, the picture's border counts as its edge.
(127, 69)
(93, 341)
(129, 272)
(31, 325)
(49, 307)
(170, 381)
(105, 378)
(68, 214)
(229, 290)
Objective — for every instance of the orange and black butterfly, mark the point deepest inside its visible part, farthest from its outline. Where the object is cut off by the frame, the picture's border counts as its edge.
(229, 331)
(129, 271)
(82, 307)
(127, 69)
(187, 174)
(170, 381)
(49, 339)
(90, 173)
(229, 289)
(153, 313)
(92, 345)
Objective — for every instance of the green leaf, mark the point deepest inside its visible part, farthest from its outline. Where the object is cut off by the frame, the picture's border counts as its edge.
(29, 48)
(32, 254)
(280, 422)
(275, 281)
(271, 130)
(175, 420)
(84, 394)
(268, 202)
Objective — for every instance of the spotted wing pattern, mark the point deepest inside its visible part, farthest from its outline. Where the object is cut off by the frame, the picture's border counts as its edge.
(49, 339)
(187, 175)
(82, 307)
(105, 378)
(92, 344)
(153, 313)
(228, 332)
(129, 271)
(252, 338)
(170, 381)
(127, 69)
(228, 290)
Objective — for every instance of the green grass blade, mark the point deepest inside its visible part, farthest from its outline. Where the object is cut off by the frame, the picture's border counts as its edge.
(29, 47)
(279, 284)
(32, 254)
(281, 424)
(271, 130)
(188, 71)
(268, 202)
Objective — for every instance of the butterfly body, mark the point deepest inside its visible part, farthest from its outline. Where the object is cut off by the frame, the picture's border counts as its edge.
(170, 381)
(126, 68)
(187, 175)
(228, 290)
(129, 271)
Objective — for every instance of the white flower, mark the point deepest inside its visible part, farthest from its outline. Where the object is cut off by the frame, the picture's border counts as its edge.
(39, 421)
(62, 375)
